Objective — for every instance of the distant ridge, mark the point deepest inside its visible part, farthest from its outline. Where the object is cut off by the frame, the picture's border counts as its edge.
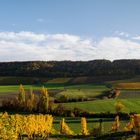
(102, 67)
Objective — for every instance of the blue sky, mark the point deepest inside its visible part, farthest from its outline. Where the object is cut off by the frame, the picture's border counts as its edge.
(104, 24)
(80, 17)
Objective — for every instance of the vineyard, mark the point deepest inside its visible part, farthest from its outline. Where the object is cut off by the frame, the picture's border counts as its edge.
(17, 126)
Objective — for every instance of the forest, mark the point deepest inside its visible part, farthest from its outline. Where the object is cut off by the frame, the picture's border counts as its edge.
(71, 68)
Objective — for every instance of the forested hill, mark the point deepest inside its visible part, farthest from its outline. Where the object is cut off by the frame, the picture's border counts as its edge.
(70, 68)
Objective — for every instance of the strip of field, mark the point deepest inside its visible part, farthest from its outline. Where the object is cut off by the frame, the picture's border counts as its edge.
(58, 80)
(98, 106)
(83, 91)
(135, 85)
(14, 88)
(129, 94)
(75, 126)
(14, 80)
(128, 80)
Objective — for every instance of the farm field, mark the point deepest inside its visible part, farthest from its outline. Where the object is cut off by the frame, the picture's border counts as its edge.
(59, 87)
(51, 122)
(129, 94)
(14, 88)
(58, 81)
(89, 90)
(98, 106)
(132, 85)
(74, 124)
(70, 70)
(128, 80)
(13, 80)
(56, 91)
(82, 89)
(129, 97)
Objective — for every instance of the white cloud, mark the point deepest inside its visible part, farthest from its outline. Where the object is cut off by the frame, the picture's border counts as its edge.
(23, 46)
(136, 38)
(117, 48)
(120, 33)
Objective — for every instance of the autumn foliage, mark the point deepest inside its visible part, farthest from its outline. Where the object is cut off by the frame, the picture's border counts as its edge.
(116, 124)
(130, 125)
(137, 125)
(21, 96)
(84, 130)
(14, 126)
(118, 107)
(64, 128)
(43, 104)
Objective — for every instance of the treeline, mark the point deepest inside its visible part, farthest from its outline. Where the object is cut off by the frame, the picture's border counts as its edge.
(70, 68)
(28, 102)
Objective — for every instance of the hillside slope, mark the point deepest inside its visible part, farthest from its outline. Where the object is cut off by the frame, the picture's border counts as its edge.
(71, 68)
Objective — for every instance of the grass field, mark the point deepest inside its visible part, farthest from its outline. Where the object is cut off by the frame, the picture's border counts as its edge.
(129, 94)
(75, 125)
(86, 91)
(83, 91)
(134, 85)
(129, 80)
(14, 88)
(98, 106)
(129, 97)
(58, 80)
(14, 80)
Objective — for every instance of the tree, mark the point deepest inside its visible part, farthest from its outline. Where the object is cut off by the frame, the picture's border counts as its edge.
(117, 92)
(137, 125)
(130, 125)
(43, 104)
(84, 129)
(31, 100)
(118, 107)
(116, 124)
(64, 128)
(21, 96)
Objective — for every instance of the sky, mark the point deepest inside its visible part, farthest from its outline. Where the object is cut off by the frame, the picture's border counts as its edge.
(69, 30)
